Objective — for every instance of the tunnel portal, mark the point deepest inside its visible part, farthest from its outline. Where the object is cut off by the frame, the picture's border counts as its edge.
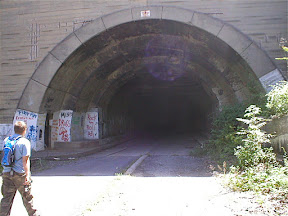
(160, 107)
(156, 75)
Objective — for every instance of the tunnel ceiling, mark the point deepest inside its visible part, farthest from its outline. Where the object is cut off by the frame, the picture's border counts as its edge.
(148, 55)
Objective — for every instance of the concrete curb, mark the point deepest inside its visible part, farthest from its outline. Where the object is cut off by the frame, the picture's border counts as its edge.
(78, 154)
(133, 167)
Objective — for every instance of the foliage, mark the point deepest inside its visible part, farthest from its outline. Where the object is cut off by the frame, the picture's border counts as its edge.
(223, 138)
(258, 169)
(277, 100)
(286, 50)
(251, 153)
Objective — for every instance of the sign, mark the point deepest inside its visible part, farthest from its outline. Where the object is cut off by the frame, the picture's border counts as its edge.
(30, 119)
(145, 13)
(61, 126)
(271, 78)
(64, 124)
(91, 128)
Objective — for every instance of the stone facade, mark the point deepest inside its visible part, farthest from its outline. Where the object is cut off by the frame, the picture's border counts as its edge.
(31, 29)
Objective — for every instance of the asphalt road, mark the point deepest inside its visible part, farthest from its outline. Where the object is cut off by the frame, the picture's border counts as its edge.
(158, 157)
(95, 185)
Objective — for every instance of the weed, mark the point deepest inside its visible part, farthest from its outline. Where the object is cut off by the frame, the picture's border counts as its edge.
(198, 151)
(258, 169)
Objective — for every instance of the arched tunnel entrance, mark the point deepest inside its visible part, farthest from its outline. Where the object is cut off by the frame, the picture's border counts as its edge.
(161, 107)
(152, 75)
(157, 75)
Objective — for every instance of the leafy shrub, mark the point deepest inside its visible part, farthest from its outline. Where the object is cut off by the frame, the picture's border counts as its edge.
(277, 100)
(252, 152)
(223, 138)
(258, 169)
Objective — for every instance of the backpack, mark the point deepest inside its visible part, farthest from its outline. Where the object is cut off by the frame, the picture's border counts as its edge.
(8, 158)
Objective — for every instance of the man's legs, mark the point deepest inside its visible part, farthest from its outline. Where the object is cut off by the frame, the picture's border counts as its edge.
(26, 195)
(8, 191)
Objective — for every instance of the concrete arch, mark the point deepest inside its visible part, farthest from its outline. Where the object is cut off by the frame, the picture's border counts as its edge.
(34, 93)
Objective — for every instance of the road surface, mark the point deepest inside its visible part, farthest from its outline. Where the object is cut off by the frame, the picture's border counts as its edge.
(163, 180)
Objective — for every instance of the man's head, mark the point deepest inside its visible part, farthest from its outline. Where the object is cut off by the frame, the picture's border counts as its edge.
(20, 127)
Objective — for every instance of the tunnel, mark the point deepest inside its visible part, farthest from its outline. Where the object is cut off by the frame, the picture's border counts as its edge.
(161, 107)
(155, 76)
(159, 76)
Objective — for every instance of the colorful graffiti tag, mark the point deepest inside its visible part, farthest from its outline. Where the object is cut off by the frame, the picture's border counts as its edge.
(64, 124)
(61, 126)
(91, 126)
(30, 119)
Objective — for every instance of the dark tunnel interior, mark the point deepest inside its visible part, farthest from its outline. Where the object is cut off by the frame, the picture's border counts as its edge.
(155, 76)
(164, 107)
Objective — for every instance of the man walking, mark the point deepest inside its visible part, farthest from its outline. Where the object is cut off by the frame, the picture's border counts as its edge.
(18, 177)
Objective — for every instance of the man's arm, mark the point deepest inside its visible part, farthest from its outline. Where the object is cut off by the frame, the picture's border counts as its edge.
(26, 165)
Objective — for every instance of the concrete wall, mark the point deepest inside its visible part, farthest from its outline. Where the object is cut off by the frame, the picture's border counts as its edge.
(5, 130)
(77, 126)
(279, 128)
(30, 29)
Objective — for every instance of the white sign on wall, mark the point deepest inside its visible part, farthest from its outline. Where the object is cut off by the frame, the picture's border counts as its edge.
(61, 126)
(145, 13)
(271, 78)
(91, 128)
(30, 119)
(64, 124)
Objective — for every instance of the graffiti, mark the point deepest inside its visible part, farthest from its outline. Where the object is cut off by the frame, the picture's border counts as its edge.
(65, 114)
(30, 119)
(79, 23)
(62, 126)
(64, 134)
(35, 127)
(24, 114)
(32, 133)
(64, 123)
(91, 125)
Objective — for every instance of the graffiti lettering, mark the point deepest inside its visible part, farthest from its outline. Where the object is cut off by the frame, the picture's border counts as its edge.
(32, 133)
(92, 117)
(65, 114)
(28, 114)
(64, 134)
(30, 119)
(65, 123)
(91, 125)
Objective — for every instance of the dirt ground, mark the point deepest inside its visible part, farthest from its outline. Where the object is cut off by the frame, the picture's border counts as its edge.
(191, 195)
(174, 196)
(168, 182)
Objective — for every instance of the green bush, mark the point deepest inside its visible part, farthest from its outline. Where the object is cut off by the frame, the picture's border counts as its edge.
(277, 99)
(258, 169)
(223, 138)
(252, 152)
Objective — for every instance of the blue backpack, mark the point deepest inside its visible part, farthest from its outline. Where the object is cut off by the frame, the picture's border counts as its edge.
(8, 158)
